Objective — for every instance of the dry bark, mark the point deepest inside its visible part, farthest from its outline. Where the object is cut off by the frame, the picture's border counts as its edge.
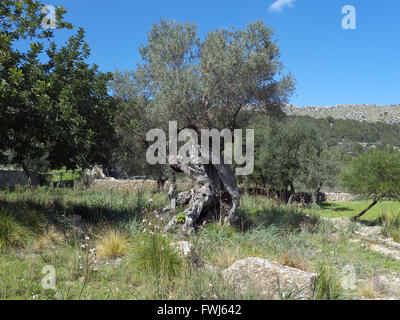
(215, 194)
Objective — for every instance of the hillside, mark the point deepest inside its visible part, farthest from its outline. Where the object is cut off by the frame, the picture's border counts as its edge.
(349, 132)
(370, 113)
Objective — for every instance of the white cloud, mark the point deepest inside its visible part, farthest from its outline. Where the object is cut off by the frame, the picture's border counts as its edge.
(278, 5)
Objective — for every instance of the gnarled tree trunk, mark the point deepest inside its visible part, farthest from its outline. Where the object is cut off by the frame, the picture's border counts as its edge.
(215, 194)
(33, 178)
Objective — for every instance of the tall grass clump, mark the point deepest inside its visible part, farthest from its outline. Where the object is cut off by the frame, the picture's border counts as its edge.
(12, 232)
(112, 244)
(152, 253)
(390, 225)
(327, 286)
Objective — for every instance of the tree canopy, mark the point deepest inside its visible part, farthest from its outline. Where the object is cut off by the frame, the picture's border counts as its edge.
(215, 83)
(54, 111)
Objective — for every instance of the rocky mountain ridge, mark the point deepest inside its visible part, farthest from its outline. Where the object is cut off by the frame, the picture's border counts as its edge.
(361, 112)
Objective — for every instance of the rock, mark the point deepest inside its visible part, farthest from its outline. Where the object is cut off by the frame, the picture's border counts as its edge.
(337, 196)
(187, 251)
(390, 285)
(96, 173)
(272, 280)
(391, 252)
(184, 248)
(369, 232)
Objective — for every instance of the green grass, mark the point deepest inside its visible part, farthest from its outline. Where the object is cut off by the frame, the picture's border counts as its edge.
(64, 175)
(146, 268)
(352, 208)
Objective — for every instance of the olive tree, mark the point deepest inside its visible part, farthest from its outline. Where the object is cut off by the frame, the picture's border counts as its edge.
(290, 156)
(320, 166)
(375, 174)
(219, 82)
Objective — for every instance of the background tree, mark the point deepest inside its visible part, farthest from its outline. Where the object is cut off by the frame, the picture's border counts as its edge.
(220, 82)
(21, 80)
(129, 158)
(319, 166)
(375, 174)
(282, 148)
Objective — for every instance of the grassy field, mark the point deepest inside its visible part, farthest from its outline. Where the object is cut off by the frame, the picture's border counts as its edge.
(124, 255)
(351, 208)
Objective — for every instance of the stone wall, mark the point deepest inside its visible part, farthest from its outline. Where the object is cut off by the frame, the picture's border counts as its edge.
(132, 185)
(338, 196)
(11, 178)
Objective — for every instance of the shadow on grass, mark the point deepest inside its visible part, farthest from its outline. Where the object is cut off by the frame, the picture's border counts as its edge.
(55, 211)
(285, 218)
(368, 223)
(97, 211)
(332, 207)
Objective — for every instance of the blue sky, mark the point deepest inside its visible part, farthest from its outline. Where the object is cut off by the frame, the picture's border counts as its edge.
(332, 65)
